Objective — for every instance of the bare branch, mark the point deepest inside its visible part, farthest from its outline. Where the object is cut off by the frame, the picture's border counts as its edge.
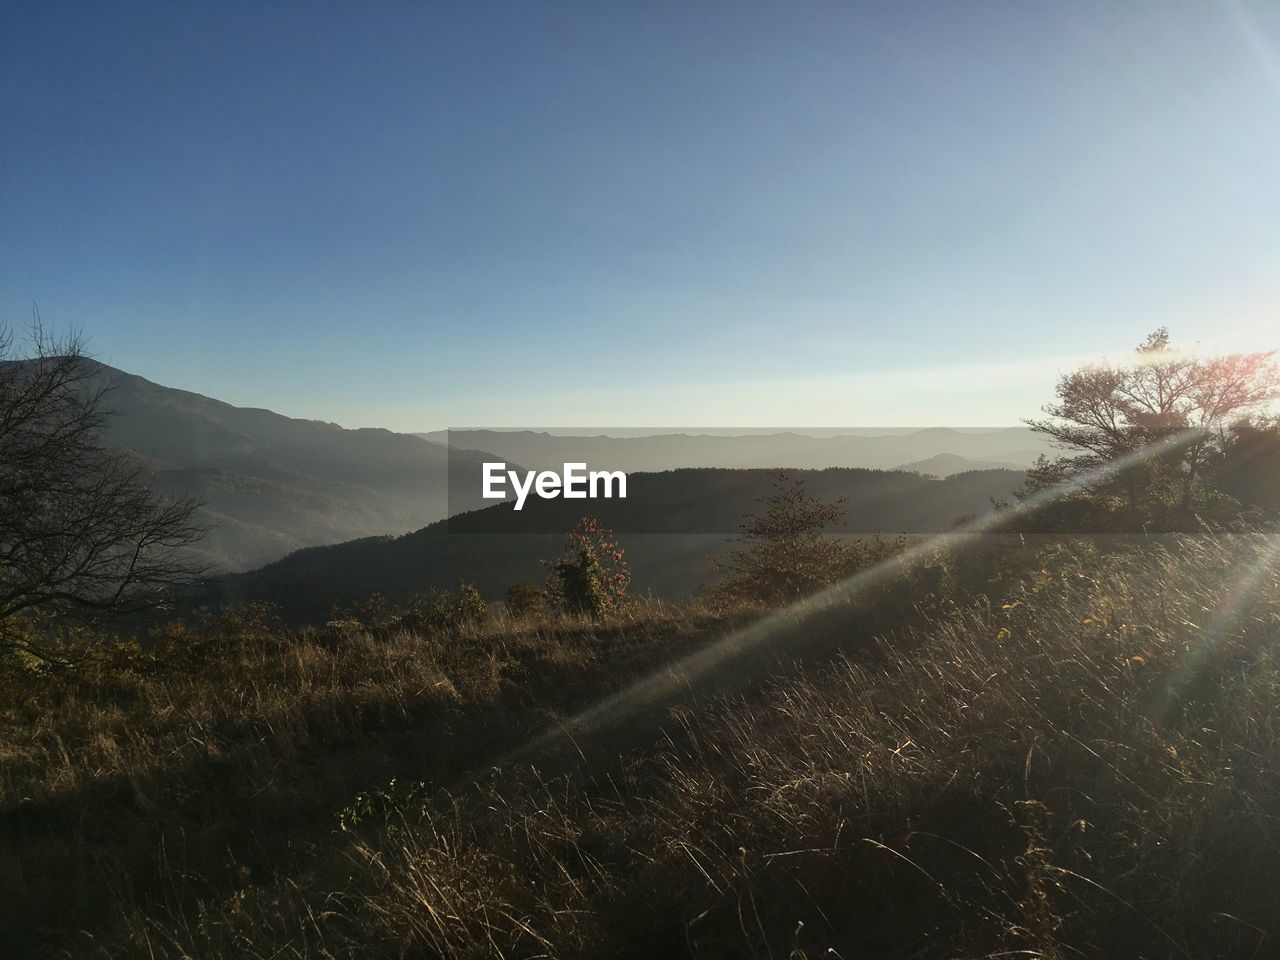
(81, 532)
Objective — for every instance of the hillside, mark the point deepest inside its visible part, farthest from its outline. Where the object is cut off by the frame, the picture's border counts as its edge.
(1081, 762)
(273, 484)
(669, 524)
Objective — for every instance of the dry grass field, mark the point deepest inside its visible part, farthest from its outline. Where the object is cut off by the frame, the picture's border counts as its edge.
(1085, 764)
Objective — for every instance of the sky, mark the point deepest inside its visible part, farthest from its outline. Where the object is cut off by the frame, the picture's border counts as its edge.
(430, 214)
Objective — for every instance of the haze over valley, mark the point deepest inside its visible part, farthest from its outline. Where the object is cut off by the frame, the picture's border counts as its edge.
(270, 485)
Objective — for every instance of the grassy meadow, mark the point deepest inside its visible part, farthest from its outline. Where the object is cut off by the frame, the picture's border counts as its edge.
(1057, 750)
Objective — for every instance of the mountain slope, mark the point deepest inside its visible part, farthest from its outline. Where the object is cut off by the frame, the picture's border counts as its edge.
(669, 525)
(273, 484)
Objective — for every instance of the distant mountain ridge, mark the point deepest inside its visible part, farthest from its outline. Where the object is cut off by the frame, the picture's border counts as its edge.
(1012, 447)
(273, 484)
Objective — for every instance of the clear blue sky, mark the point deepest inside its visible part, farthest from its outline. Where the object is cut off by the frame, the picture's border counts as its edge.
(421, 214)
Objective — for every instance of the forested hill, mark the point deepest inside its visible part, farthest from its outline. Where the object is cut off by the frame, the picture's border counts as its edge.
(669, 524)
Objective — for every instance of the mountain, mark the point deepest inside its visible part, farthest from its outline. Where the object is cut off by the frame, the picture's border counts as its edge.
(1014, 446)
(273, 484)
(669, 524)
(947, 464)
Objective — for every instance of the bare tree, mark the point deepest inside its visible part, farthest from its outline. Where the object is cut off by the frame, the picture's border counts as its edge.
(81, 533)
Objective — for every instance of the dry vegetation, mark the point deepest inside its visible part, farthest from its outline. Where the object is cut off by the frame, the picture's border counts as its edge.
(1086, 765)
(219, 755)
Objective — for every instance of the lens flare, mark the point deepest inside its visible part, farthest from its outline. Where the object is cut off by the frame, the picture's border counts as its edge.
(687, 672)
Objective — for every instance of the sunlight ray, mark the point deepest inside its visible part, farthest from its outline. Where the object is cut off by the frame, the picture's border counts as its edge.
(686, 672)
(1253, 577)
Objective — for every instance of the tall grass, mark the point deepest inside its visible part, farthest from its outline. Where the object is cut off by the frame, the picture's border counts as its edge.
(1087, 765)
(218, 755)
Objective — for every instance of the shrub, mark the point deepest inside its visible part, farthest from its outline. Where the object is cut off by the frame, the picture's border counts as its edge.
(525, 600)
(429, 610)
(447, 611)
(592, 575)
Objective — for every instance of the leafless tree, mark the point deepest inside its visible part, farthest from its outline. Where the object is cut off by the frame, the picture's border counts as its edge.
(81, 533)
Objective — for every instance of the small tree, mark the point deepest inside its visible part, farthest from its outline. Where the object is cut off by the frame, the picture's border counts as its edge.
(787, 552)
(81, 533)
(1160, 419)
(592, 575)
